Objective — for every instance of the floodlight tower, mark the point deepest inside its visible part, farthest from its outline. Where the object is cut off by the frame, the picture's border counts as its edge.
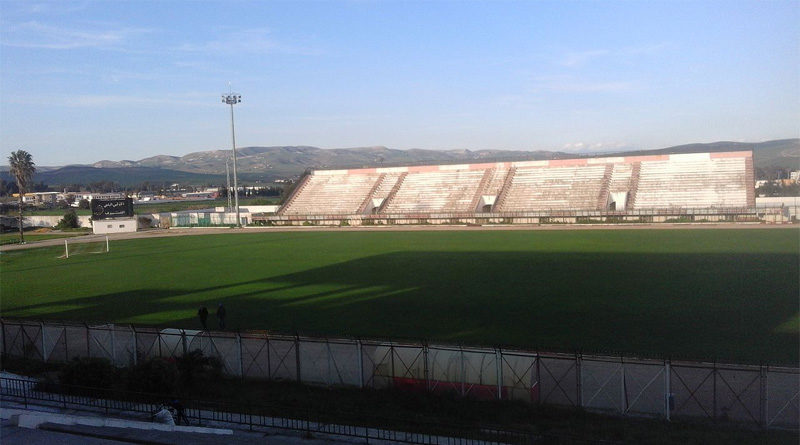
(231, 99)
(228, 176)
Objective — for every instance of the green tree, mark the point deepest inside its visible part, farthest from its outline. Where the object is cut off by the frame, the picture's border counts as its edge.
(69, 221)
(22, 169)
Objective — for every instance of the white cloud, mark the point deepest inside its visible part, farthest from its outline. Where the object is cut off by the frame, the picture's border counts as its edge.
(108, 100)
(38, 35)
(575, 59)
(251, 41)
(572, 84)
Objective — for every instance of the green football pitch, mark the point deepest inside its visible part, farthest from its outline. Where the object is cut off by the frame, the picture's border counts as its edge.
(729, 295)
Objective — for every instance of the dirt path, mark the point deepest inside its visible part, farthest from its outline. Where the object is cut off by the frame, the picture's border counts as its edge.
(160, 233)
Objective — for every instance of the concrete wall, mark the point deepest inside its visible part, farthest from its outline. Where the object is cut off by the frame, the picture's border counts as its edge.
(115, 225)
(51, 221)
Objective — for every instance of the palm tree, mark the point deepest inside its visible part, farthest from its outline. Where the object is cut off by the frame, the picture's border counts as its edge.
(22, 168)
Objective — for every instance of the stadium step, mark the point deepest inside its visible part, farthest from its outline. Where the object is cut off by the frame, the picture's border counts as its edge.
(501, 197)
(392, 194)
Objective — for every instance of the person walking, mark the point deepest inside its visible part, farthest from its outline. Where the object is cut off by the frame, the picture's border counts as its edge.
(203, 314)
(221, 316)
(180, 412)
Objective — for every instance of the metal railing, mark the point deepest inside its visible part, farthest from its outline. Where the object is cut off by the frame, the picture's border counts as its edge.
(142, 406)
(765, 396)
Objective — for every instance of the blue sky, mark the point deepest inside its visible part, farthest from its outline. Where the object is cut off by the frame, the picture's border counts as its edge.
(85, 81)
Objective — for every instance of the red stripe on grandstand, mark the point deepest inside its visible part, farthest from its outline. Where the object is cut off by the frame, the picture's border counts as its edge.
(423, 168)
(567, 162)
(362, 171)
(732, 154)
(629, 159)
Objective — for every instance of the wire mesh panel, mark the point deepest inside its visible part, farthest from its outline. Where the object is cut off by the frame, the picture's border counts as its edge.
(53, 344)
(328, 363)
(558, 377)
(255, 355)
(446, 369)
(645, 388)
(480, 374)
(76, 341)
(520, 376)
(738, 394)
(124, 346)
(602, 385)
(282, 358)
(376, 361)
(101, 342)
(28, 341)
(222, 345)
(782, 398)
(148, 344)
(14, 339)
(693, 390)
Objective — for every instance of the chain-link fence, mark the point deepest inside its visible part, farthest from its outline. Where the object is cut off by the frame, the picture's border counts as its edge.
(767, 396)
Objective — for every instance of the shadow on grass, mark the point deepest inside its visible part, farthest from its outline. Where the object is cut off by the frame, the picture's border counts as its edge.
(694, 306)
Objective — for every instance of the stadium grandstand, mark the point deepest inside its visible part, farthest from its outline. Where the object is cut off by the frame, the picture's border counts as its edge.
(700, 186)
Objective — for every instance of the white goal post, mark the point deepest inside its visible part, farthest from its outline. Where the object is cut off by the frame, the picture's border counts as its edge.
(81, 247)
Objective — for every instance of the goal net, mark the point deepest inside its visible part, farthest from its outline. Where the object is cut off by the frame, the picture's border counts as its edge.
(74, 247)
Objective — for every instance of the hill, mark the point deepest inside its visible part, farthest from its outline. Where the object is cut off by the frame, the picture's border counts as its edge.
(263, 164)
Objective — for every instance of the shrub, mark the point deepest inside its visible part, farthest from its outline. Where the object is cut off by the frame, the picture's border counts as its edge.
(195, 368)
(85, 371)
(155, 375)
(69, 221)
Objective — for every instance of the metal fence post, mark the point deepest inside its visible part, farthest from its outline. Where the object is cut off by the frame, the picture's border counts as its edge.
(425, 366)
(269, 360)
(714, 403)
(297, 355)
(88, 340)
(3, 327)
(360, 363)
(762, 383)
(463, 377)
(44, 346)
(667, 390)
(578, 381)
(183, 341)
(538, 379)
(391, 359)
(241, 360)
(113, 345)
(623, 390)
(498, 359)
(135, 346)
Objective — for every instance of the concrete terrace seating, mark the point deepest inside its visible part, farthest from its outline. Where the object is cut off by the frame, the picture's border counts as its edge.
(620, 184)
(692, 182)
(556, 188)
(332, 194)
(436, 192)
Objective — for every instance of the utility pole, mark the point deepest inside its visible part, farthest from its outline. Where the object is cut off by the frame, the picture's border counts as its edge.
(231, 99)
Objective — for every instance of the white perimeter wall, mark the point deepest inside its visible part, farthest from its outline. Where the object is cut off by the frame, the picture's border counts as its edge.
(114, 225)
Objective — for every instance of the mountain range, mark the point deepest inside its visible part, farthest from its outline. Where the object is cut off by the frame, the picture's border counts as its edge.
(265, 164)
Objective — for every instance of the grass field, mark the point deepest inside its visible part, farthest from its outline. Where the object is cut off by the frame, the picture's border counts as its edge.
(730, 295)
(30, 236)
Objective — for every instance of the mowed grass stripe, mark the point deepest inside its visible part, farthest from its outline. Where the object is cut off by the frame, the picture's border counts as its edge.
(730, 295)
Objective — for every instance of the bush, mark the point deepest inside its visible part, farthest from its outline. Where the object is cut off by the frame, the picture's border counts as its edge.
(195, 368)
(69, 221)
(84, 371)
(156, 375)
